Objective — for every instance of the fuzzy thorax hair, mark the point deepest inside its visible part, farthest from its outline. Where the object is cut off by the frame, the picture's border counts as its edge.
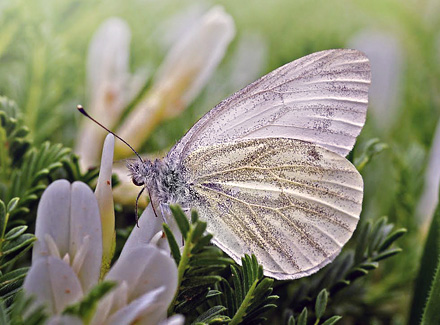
(166, 185)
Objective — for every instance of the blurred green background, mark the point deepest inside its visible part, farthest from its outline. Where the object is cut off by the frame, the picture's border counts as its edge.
(43, 52)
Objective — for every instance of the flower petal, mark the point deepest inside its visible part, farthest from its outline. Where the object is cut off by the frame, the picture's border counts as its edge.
(429, 199)
(85, 222)
(147, 309)
(149, 225)
(193, 59)
(154, 268)
(54, 283)
(64, 320)
(53, 219)
(104, 195)
(69, 214)
(108, 79)
(387, 67)
(185, 71)
(174, 320)
(113, 301)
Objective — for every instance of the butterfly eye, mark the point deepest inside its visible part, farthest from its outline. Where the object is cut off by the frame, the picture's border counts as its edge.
(136, 182)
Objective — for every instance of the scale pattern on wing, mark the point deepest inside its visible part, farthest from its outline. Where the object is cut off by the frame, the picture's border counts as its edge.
(291, 203)
(321, 98)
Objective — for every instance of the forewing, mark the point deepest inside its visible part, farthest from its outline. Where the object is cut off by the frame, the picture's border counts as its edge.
(321, 98)
(291, 203)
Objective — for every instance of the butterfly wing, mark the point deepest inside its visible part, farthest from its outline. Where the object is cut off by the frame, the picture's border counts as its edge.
(321, 98)
(293, 204)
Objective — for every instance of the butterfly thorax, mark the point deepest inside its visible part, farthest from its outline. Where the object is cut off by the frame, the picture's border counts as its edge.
(165, 184)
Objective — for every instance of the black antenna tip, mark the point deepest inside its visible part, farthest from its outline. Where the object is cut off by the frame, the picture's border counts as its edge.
(81, 109)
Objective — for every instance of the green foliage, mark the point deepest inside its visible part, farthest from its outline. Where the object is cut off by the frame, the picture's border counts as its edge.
(321, 304)
(13, 245)
(198, 265)
(26, 171)
(373, 244)
(22, 312)
(86, 308)
(372, 148)
(204, 296)
(426, 298)
(249, 295)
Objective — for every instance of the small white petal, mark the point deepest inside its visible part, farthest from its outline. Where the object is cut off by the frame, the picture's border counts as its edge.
(149, 225)
(66, 259)
(80, 255)
(185, 71)
(429, 198)
(385, 54)
(104, 195)
(147, 309)
(53, 218)
(86, 222)
(108, 54)
(156, 238)
(54, 283)
(64, 320)
(113, 301)
(51, 246)
(154, 268)
(108, 80)
(198, 52)
(68, 213)
(174, 320)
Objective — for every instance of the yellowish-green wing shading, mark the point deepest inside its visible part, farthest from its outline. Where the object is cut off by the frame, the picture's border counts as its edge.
(291, 203)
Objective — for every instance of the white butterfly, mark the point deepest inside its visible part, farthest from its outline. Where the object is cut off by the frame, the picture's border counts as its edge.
(266, 169)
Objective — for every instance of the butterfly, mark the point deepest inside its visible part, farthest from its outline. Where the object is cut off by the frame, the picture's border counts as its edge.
(266, 167)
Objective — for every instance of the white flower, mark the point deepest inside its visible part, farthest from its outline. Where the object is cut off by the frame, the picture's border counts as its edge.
(66, 259)
(181, 77)
(429, 198)
(104, 196)
(385, 55)
(110, 86)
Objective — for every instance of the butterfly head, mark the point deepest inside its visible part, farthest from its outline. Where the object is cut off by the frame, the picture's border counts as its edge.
(140, 171)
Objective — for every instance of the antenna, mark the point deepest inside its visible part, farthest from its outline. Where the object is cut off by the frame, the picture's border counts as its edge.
(83, 112)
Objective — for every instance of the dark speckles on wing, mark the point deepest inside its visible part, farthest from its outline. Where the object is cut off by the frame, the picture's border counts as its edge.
(292, 203)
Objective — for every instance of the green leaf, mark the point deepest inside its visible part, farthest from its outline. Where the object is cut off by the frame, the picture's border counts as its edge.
(197, 281)
(371, 149)
(15, 232)
(332, 320)
(386, 254)
(291, 321)
(87, 306)
(181, 220)
(17, 244)
(321, 303)
(12, 280)
(431, 315)
(302, 318)
(199, 229)
(4, 318)
(392, 238)
(428, 277)
(362, 242)
(194, 216)
(175, 250)
(12, 204)
(3, 218)
(355, 273)
(210, 314)
(211, 261)
(369, 266)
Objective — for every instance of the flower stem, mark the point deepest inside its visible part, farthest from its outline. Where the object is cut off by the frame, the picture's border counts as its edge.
(183, 264)
(241, 312)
